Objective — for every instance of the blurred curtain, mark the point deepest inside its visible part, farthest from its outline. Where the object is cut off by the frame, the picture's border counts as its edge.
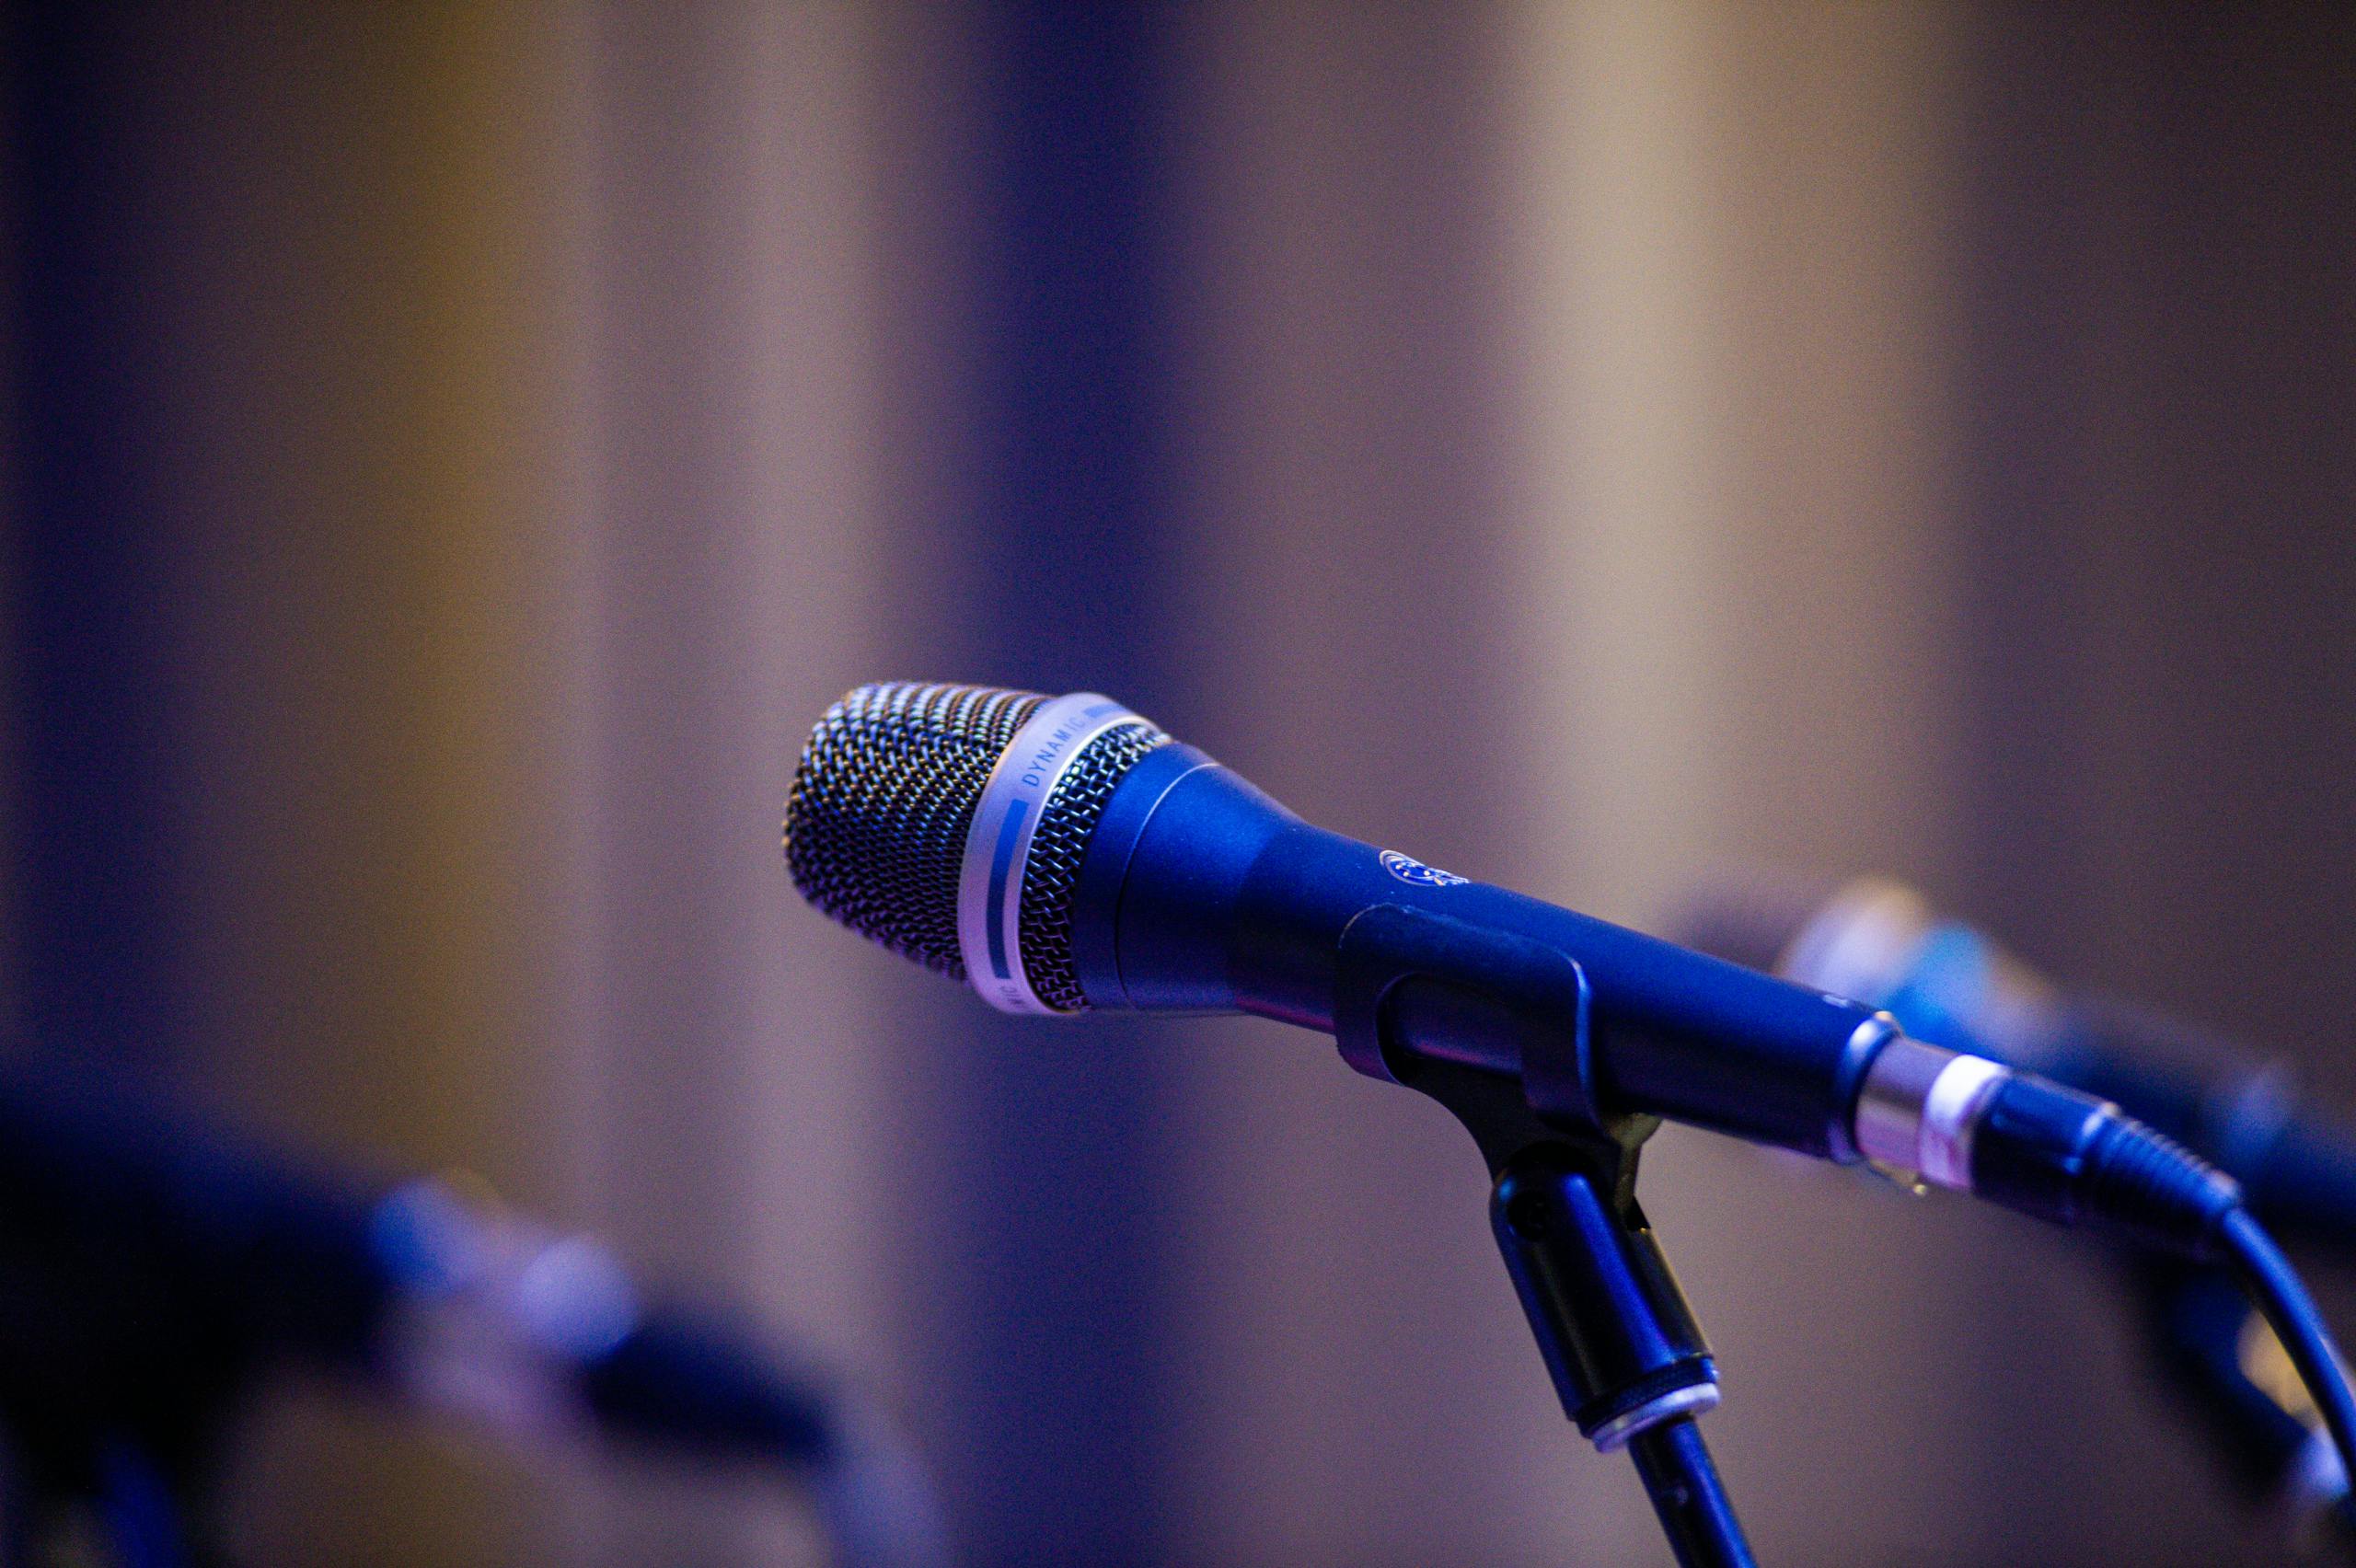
(282, 324)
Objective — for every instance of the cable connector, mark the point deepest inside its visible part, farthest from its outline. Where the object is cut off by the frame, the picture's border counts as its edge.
(2069, 1158)
(2030, 1144)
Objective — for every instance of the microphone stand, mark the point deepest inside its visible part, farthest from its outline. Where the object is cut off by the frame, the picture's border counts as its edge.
(1627, 1360)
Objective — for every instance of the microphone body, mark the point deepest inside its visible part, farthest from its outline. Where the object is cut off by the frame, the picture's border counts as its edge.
(1198, 892)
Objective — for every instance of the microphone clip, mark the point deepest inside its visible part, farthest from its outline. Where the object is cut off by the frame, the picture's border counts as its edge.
(1434, 1004)
(1414, 989)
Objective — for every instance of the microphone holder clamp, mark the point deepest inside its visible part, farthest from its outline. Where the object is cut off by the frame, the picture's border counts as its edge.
(1627, 1360)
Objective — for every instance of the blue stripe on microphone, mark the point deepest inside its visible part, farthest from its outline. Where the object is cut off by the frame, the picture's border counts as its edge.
(1001, 862)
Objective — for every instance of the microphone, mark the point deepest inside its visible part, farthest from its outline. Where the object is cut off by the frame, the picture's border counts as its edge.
(1063, 855)
(1884, 943)
(150, 1269)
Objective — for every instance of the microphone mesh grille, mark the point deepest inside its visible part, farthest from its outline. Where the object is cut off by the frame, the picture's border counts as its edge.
(875, 827)
(1051, 875)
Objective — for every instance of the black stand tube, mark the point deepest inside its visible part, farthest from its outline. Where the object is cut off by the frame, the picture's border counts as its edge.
(1628, 1361)
(1694, 1511)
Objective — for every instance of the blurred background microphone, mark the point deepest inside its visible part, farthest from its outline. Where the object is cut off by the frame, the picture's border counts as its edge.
(1880, 942)
(153, 1274)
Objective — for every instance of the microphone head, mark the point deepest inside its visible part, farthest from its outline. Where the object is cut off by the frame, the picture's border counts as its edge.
(1857, 937)
(948, 823)
(1883, 943)
(1750, 913)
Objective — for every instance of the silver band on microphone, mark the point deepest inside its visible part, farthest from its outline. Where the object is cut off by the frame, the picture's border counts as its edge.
(1918, 1108)
(998, 846)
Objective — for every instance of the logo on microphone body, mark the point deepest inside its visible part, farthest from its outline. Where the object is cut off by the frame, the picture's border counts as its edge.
(1407, 869)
